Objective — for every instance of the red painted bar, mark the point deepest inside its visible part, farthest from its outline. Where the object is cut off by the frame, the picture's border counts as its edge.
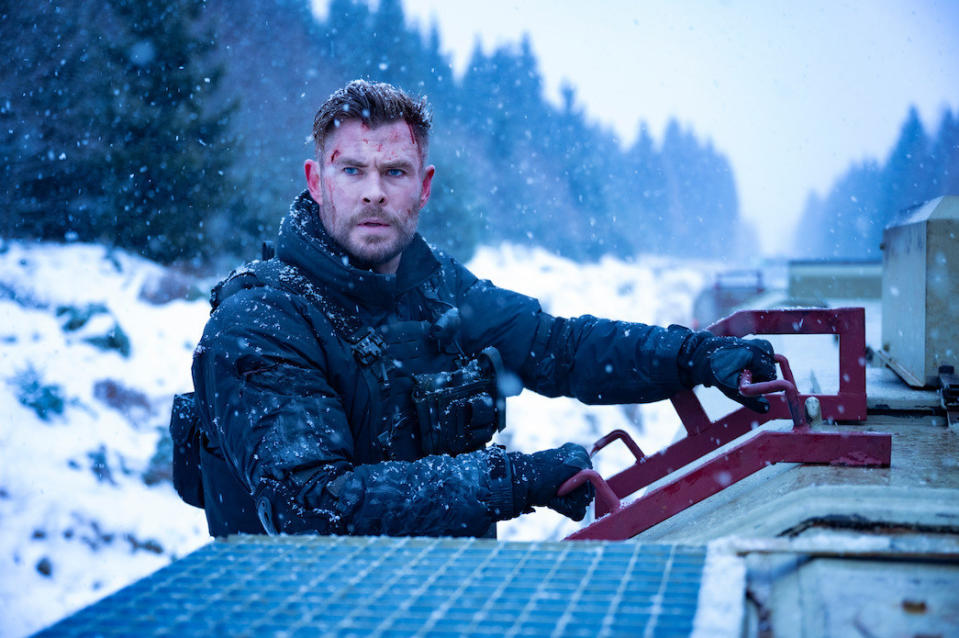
(848, 323)
(839, 448)
(603, 492)
(620, 435)
(704, 436)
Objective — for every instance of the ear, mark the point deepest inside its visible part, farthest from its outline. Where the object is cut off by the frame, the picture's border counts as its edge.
(312, 170)
(427, 185)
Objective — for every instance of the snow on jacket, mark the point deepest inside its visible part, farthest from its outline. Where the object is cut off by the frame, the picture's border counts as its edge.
(283, 401)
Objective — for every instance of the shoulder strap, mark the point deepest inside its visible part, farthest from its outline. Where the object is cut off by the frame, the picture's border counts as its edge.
(344, 322)
(367, 344)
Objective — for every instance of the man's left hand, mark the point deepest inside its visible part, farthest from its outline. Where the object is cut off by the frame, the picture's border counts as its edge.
(719, 361)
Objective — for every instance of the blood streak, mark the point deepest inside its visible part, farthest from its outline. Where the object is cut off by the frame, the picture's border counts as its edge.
(333, 156)
(412, 137)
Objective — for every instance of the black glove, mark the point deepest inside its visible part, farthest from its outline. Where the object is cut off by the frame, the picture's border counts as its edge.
(710, 360)
(536, 477)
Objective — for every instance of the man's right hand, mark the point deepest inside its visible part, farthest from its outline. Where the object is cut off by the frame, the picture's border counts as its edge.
(537, 477)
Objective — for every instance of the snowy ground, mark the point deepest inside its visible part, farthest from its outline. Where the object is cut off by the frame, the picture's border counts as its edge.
(91, 352)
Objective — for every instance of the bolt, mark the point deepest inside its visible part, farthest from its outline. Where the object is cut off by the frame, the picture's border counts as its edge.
(813, 411)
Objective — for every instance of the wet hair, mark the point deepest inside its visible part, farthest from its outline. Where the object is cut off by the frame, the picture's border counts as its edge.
(373, 103)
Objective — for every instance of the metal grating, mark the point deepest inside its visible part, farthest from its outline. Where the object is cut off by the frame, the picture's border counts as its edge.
(355, 586)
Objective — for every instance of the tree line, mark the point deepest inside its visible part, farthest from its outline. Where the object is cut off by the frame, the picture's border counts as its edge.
(106, 128)
(848, 221)
(177, 129)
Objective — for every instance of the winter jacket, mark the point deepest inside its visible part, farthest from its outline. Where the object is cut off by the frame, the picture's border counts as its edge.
(289, 412)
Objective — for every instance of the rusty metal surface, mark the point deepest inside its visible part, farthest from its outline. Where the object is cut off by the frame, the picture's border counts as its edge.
(807, 595)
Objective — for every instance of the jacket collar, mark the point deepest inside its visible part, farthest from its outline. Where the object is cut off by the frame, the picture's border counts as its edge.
(304, 243)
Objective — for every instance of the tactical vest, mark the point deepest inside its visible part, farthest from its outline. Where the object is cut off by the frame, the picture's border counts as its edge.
(427, 395)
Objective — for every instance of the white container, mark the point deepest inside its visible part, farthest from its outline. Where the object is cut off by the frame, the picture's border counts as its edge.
(920, 291)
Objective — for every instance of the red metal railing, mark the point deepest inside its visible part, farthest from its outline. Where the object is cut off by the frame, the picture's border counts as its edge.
(800, 445)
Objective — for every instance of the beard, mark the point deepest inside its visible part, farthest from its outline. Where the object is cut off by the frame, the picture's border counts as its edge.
(368, 250)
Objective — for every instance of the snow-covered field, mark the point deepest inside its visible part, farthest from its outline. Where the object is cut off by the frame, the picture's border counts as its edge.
(92, 349)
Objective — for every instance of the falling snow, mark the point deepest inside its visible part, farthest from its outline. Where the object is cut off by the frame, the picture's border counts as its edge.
(83, 512)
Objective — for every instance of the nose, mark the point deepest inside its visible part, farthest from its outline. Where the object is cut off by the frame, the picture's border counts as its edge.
(373, 191)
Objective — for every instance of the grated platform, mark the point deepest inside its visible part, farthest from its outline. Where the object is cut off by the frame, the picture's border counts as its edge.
(355, 586)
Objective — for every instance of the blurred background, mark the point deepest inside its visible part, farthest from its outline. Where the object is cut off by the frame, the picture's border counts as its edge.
(177, 128)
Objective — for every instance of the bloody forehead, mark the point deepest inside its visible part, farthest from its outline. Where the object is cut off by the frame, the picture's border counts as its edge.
(340, 140)
(336, 124)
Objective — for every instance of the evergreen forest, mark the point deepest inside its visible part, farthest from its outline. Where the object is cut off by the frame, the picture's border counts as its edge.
(178, 129)
(848, 221)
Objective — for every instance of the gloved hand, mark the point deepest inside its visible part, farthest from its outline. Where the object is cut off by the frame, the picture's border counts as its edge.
(536, 477)
(710, 360)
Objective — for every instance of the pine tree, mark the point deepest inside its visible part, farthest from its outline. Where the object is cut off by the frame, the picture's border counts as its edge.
(49, 120)
(847, 223)
(346, 43)
(945, 155)
(907, 175)
(167, 150)
(440, 83)
(397, 49)
(645, 195)
(112, 137)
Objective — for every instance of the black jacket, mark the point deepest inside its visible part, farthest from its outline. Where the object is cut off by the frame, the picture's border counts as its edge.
(285, 404)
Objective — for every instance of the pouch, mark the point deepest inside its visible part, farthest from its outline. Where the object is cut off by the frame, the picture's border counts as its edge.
(185, 432)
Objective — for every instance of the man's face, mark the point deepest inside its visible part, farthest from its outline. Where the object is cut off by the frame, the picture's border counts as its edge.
(370, 184)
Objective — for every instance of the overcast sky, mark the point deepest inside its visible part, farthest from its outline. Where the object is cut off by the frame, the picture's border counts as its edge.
(791, 92)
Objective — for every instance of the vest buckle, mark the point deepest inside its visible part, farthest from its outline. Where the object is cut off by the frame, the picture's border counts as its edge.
(368, 346)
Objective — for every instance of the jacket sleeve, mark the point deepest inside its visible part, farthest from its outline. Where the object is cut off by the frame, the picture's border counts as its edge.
(263, 379)
(597, 361)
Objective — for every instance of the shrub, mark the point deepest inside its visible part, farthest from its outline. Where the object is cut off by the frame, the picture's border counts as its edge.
(45, 399)
(74, 318)
(114, 339)
(160, 467)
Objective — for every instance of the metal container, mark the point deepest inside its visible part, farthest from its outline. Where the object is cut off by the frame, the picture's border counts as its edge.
(920, 291)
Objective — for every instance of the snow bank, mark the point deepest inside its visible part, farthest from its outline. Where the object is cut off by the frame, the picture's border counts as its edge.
(78, 518)
(89, 368)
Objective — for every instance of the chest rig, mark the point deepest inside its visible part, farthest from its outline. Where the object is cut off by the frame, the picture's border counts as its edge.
(427, 396)
(431, 400)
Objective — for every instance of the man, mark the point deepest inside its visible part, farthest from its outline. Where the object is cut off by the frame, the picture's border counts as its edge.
(351, 383)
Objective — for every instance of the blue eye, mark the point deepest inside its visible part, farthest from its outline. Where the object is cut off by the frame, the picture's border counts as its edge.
(396, 172)
(351, 170)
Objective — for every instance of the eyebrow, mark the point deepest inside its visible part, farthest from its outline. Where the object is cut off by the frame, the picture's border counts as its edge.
(399, 163)
(346, 159)
(353, 161)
